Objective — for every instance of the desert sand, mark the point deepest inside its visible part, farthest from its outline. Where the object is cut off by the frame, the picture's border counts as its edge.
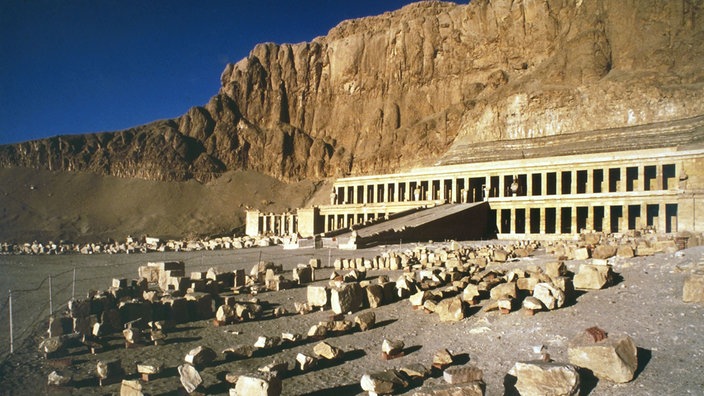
(645, 303)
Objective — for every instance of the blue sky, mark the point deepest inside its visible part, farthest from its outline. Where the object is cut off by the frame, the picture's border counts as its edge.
(80, 66)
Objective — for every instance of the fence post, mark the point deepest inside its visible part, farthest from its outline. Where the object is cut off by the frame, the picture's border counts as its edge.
(73, 288)
(12, 341)
(51, 301)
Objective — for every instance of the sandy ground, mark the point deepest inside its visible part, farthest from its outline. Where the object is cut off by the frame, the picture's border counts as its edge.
(646, 304)
(85, 207)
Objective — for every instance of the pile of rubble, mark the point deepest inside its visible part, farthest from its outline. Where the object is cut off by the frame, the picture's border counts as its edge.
(446, 281)
(138, 245)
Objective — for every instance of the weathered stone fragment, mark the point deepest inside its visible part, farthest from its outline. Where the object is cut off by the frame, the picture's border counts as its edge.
(383, 382)
(200, 356)
(450, 309)
(327, 351)
(442, 359)
(532, 304)
(52, 345)
(131, 388)
(392, 347)
(318, 331)
(375, 295)
(540, 378)
(554, 269)
(366, 320)
(693, 289)
(239, 352)
(415, 371)
(549, 295)
(305, 362)
(59, 378)
(460, 374)
(277, 368)
(603, 252)
(303, 274)
(474, 388)
(150, 367)
(267, 342)
(503, 290)
(612, 358)
(189, 376)
(625, 251)
(581, 253)
(108, 370)
(592, 276)
(318, 296)
(347, 298)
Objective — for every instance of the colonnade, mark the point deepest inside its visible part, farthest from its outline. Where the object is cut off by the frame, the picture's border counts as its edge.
(277, 224)
(471, 187)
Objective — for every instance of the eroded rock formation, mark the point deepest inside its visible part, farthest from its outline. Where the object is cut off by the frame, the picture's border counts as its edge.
(384, 93)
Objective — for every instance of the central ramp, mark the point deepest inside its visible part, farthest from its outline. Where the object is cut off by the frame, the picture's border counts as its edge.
(449, 221)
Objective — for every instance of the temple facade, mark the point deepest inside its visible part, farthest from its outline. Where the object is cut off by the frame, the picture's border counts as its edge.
(541, 197)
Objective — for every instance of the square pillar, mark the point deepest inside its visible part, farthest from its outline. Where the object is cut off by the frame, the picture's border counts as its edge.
(527, 221)
(502, 193)
(365, 193)
(453, 195)
(590, 183)
(573, 220)
(512, 224)
(558, 219)
(641, 179)
(498, 220)
(529, 184)
(573, 184)
(590, 218)
(542, 221)
(558, 182)
(543, 191)
(658, 178)
(622, 184)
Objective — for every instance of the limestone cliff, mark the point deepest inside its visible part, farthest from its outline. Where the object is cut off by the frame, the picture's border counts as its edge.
(406, 88)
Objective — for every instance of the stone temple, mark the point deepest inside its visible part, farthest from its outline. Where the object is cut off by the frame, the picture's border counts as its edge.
(614, 181)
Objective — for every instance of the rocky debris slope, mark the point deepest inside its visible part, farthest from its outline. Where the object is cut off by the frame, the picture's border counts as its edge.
(388, 92)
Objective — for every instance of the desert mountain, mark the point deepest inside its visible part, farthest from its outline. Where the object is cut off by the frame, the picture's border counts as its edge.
(411, 87)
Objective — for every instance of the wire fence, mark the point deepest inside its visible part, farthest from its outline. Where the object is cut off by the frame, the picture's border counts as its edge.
(24, 310)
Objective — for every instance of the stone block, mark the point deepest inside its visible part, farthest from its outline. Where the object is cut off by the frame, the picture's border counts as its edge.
(612, 358)
(303, 274)
(693, 289)
(450, 309)
(375, 295)
(603, 252)
(461, 374)
(550, 296)
(258, 385)
(318, 296)
(625, 251)
(581, 253)
(540, 378)
(366, 320)
(383, 382)
(327, 351)
(392, 347)
(554, 269)
(503, 290)
(131, 388)
(190, 378)
(592, 277)
(475, 388)
(346, 298)
(200, 356)
(59, 378)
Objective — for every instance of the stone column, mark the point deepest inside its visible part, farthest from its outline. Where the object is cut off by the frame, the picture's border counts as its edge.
(607, 219)
(529, 184)
(573, 184)
(641, 180)
(662, 218)
(487, 189)
(396, 194)
(542, 220)
(527, 221)
(375, 197)
(622, 182)
(573, 222)
(558, 220)
(590, 181)
(502, 192)
(442, 190)
(543, 184)
(623, 226)
(453, 196)
(512, 224)
(558, 182)
(605, 182)
(365, 193)
(658, 180)
(590, 218)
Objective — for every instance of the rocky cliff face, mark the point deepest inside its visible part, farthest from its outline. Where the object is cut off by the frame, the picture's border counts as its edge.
(388, 92)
